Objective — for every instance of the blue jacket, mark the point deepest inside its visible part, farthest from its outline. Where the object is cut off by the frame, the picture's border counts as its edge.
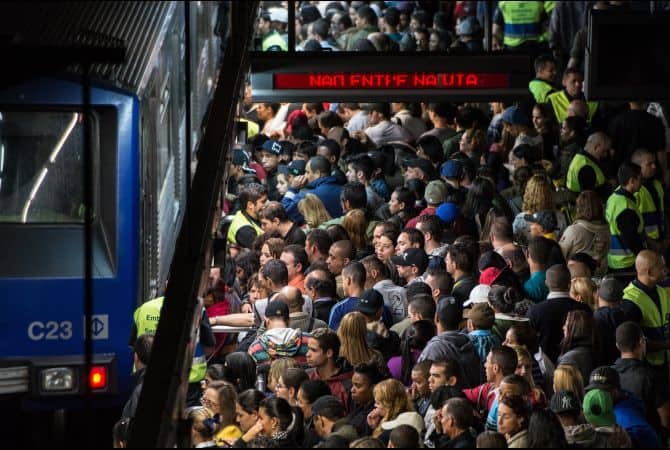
(326, 188)
(630, 415)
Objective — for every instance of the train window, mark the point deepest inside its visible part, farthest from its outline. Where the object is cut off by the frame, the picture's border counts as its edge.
(41, 166)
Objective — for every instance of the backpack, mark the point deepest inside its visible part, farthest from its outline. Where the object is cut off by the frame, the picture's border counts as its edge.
(468, 361)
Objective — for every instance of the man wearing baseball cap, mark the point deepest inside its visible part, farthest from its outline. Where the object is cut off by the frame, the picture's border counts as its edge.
(418, 168)
(371, 304)
(628, 411)
(279, 341)
(435, 195)
(411, 264)
(542, 224)
(270, 159)
(568, 409)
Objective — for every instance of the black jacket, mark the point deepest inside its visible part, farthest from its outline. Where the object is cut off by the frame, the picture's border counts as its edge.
(131, 405)
(358, 418)
(607, 319)
(321, 308)
(548, 317)
(637, 377)
(463, 440)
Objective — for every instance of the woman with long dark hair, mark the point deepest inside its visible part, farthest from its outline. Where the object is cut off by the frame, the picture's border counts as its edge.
(240, 370)
(545, 430)
(579, 342)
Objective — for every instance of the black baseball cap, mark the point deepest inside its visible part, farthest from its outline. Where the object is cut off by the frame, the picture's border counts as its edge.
(604, 377)
(412, 257)
(297, 167)
(241, 158)
(546, 219)
(273, 147)
(563, 402)
(370, 302)
(277, 310)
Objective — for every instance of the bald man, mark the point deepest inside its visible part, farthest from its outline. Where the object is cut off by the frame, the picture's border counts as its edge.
(585, 172)
(297, 317)
(649, 304)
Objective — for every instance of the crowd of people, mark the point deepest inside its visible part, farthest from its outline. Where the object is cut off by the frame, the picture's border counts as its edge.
(437, 274)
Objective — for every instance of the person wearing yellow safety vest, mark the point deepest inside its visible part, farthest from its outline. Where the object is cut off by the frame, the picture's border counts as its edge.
(271, 40)
(625, 221)
(573, 81)
(245, 226)
(651, 198)
(145, 321)
(518, 25)
(545, 76)
(585, 172)
(647, 303)
(549, 6)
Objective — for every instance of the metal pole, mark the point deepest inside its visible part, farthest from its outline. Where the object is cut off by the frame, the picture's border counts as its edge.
(291, 25)
(488, 36)
(88, 234)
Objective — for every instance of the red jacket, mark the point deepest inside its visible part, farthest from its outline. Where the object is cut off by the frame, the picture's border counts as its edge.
(340, 385)
(481, 397)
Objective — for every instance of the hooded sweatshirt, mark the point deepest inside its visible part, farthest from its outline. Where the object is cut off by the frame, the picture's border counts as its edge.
(339, 384)
(637, 377)
(455, 345)
(280, 343)
(586, 435)
(592, 238)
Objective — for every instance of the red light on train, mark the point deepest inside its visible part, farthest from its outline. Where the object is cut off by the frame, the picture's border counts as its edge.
(395, 80)
(97, 378)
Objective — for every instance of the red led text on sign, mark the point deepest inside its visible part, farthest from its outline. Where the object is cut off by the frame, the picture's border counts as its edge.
(401, 80)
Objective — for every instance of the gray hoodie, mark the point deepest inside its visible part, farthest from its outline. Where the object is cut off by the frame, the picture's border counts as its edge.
(592, 238)
(586, 435)
(457, 346)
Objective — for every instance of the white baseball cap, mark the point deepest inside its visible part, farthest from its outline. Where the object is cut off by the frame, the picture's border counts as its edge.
(479, 294)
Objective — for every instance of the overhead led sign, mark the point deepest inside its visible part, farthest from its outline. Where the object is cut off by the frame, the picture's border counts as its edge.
(380, 77)
(396, 80)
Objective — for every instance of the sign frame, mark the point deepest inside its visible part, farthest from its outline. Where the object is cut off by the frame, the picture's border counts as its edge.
(264, 65)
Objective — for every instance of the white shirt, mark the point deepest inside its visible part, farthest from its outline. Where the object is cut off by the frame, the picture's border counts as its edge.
(395, 299)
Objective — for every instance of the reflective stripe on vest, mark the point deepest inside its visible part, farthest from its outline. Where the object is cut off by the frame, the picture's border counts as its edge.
(274, 40)
(653, 321)
(549, 6)
(619, 256)
(540, 90)
(522, 21)
(146, 320)
(560, 102)
(578, 163)
(652, 217)
(238, 222)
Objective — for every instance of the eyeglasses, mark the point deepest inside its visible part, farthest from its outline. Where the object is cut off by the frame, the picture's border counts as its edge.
(208, 403)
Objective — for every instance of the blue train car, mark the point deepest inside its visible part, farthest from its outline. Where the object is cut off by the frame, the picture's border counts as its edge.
(139, 134)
